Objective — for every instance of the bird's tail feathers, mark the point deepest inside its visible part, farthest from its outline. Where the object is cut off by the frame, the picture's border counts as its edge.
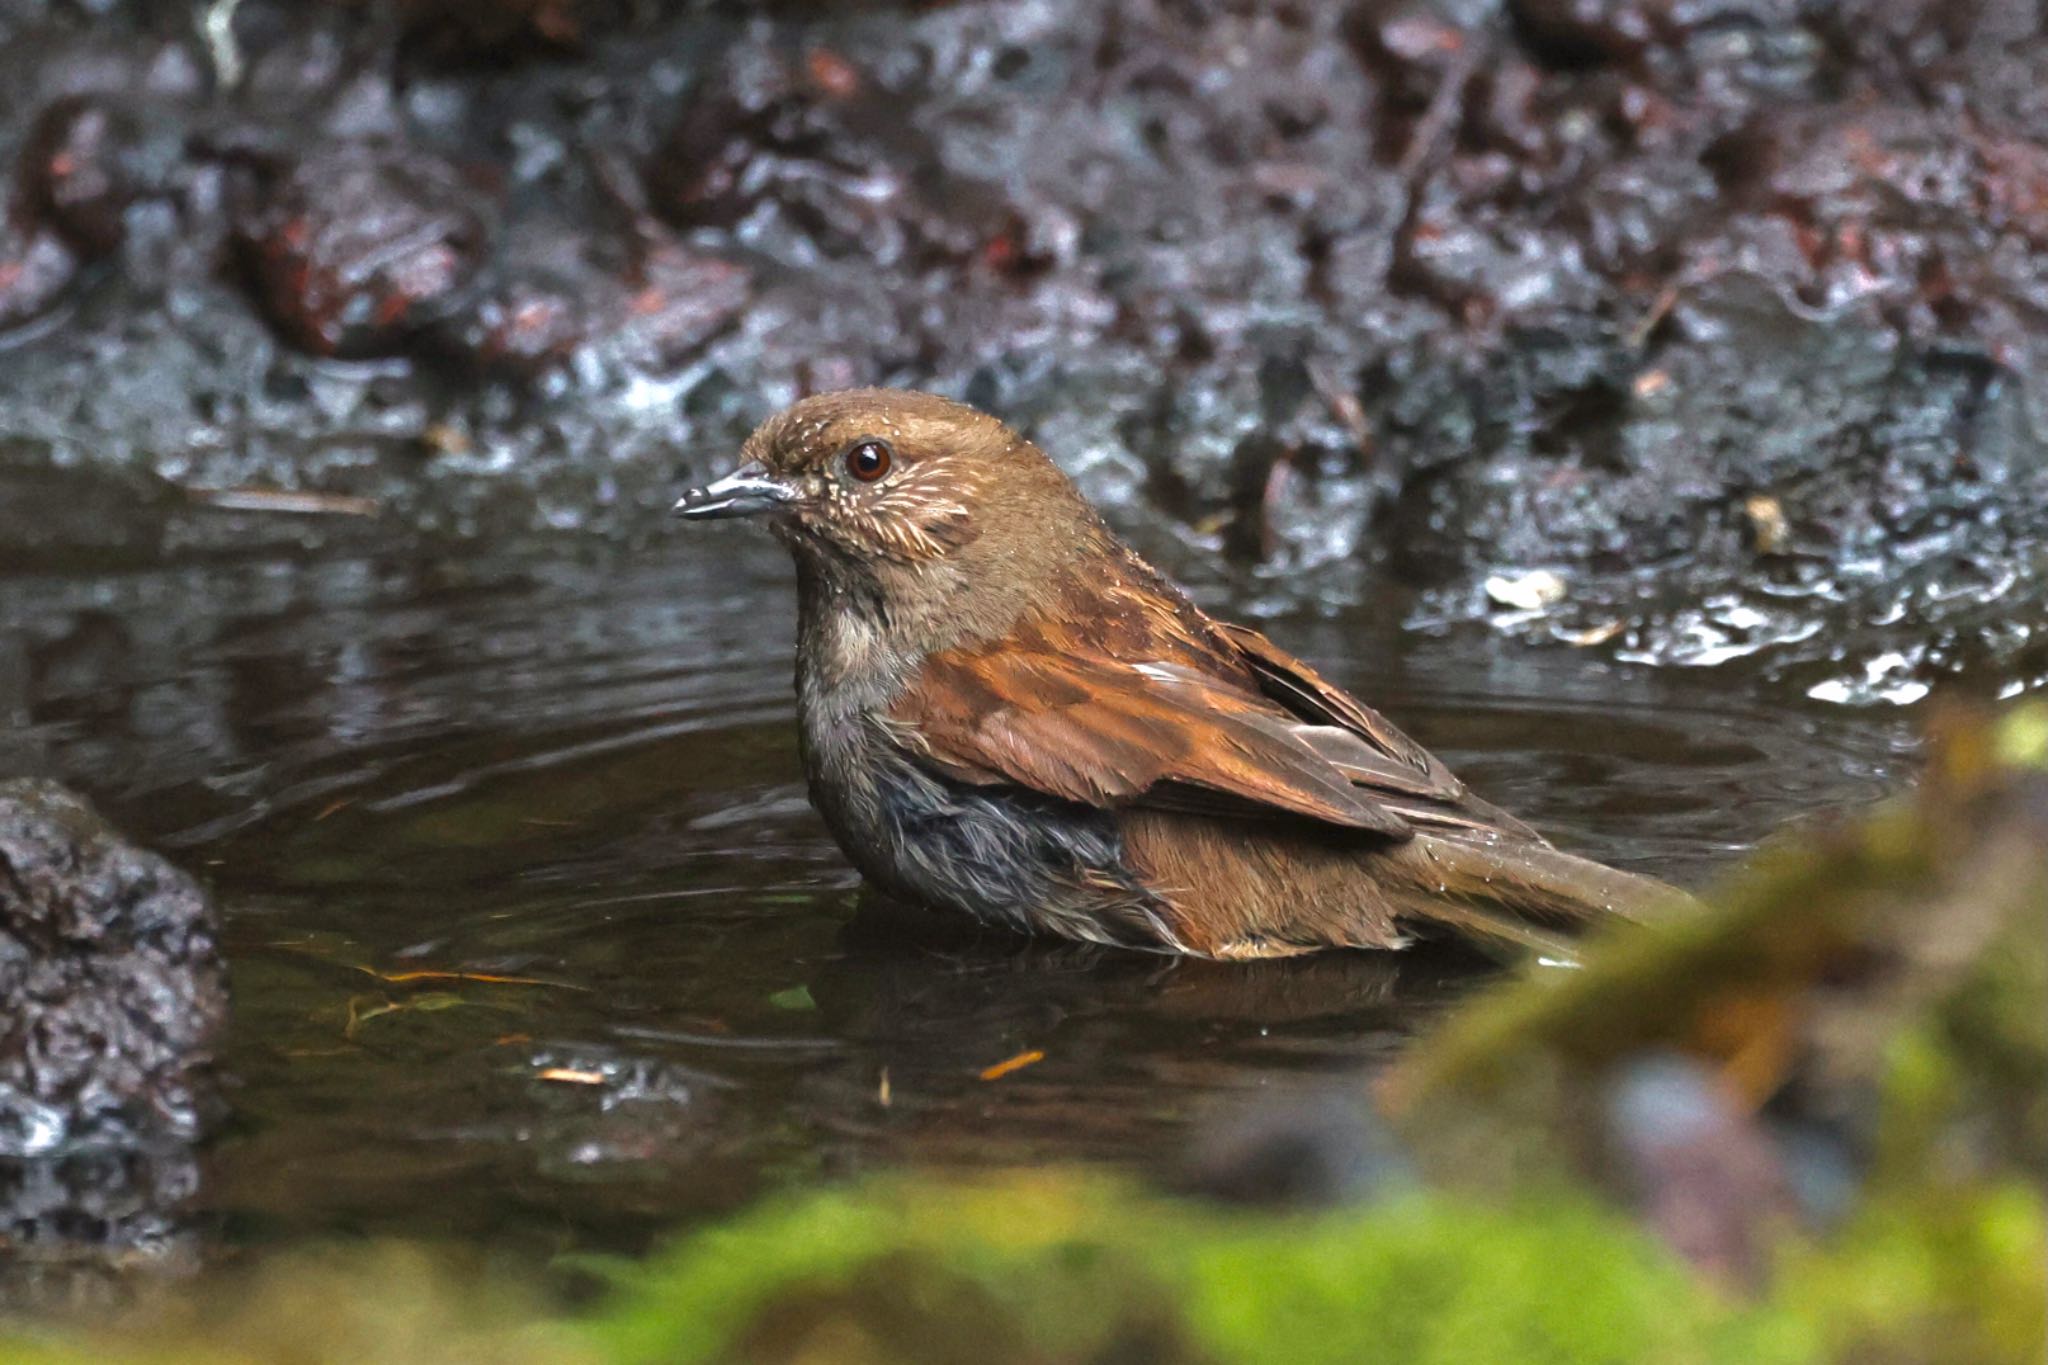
(1528, 898)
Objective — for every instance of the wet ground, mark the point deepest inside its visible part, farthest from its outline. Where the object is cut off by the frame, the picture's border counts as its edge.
(1727, 315)
(536, 944)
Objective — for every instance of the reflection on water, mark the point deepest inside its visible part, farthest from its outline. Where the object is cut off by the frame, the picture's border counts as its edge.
(535, 938)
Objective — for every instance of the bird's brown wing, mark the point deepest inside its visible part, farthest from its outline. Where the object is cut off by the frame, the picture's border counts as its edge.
(1108, 733)
(1256, 734)
(1366, 746)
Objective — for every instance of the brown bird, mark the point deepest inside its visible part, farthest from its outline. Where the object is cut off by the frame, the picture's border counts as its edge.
(1006, 712)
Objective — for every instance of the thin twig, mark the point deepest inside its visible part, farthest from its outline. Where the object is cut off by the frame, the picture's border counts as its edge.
(300, 502)
(1444, 104)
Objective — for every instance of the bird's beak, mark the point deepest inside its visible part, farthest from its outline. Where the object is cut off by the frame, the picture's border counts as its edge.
(747, 491)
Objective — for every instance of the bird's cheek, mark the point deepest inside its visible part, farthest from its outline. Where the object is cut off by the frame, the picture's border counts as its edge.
(807, 528)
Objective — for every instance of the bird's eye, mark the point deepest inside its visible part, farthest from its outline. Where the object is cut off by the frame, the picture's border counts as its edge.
(867, 460)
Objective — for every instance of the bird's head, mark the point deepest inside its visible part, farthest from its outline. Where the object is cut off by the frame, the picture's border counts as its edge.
(900, 495)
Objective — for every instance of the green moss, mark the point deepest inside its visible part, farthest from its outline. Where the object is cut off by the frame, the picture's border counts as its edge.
(388, 1303)
(1030, 1242)
(1071, 1264)
(1071, 1267)
(1935, 1278)
(1437, 1280)
(1992, 1032)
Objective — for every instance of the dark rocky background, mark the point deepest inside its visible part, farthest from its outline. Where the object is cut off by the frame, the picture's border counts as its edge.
(1675, 329)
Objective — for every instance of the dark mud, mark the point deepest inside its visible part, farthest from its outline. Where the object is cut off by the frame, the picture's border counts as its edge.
(1698, 329)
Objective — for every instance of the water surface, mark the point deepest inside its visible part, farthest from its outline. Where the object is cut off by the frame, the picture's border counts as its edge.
(535, 940)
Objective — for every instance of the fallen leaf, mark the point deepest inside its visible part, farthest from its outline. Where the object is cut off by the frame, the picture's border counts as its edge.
(569, 1075)
(1009, 1064)
(1594, 635)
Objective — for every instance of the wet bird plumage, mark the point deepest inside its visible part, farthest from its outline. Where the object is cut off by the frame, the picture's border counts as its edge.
(1007, 712)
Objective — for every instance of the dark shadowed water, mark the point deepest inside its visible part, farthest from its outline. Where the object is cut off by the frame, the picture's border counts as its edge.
(535, 939)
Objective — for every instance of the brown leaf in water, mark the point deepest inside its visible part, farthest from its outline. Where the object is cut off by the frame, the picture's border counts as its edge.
(569, 1075)
(1009, 1064)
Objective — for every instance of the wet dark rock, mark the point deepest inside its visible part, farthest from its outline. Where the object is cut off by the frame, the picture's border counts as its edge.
(114, 984)
(812, 156)
(1587, 31)
(1406, 293)
(86, 162)
(1703, 1174)
(528, 326)
(464, 30)
(125, 1200)
(115, 992)
(1312, 1150)
(565, 304)
(49, 58)
(357, 249)
(36, 267)
(684, 299)
(552, 292)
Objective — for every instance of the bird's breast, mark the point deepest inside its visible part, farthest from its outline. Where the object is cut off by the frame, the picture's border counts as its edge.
(1000, 855)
